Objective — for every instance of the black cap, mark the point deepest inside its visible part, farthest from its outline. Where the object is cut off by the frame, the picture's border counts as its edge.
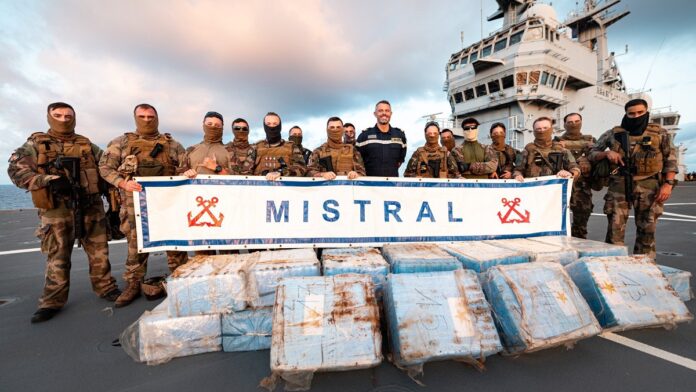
(214, 114)
(634, 102)
(431, 123)
(470, 120)
(446, 130)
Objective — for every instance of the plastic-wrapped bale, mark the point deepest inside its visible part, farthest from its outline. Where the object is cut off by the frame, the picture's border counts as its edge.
(326, 323)
(367, 261)
(538, 251)
(211, 284)
(248, 330)
(480, 256)
(277, 264)
(537, 306)
(679, 280)
(585, 248)
(628, 293)
(157, 338)
(438, 315)
(409, 258)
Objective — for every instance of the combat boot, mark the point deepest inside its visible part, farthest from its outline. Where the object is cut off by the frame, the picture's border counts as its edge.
(129, 295)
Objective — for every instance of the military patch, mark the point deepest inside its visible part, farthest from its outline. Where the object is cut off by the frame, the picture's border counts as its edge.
(372, 136)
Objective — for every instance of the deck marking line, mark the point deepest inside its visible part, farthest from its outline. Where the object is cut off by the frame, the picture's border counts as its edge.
(679, 215)
(650, 350)
(29, 250)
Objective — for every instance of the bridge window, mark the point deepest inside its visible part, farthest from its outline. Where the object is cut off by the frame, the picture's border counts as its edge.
(464, 60)
(458, 98)
(534, 34)
(500, 45)
(474, 56)
(508, 82)
(534, 77)
(494, 86)
(561, 84)
(469, 94)
(544, 78)
(486, 51)
(516, 38)
(453, 66)
(481, 90)
(672, 120)
(521, 78)
(552, 81)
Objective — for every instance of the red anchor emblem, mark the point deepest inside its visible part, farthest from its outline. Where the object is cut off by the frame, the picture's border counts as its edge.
(511, 205)
(207, 205)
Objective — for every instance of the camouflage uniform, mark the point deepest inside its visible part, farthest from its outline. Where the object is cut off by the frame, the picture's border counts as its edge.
(506, 159)
(237, 155)
(345, 160)
(482, 160)
(113, 170)
(264, 158)
(30, 167)
(535, 161)
(418, 164)
(653, 159)
(581, 198)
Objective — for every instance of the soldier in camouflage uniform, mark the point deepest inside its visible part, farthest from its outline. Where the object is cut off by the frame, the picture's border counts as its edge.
(474, 160)
(432, 160)
(506, 154)
(544, 157)
(33, 166)
(654, 166)
(239, 149)
(295, 136)
(335, 157)
(209, 157)
(349, 133)
(579, 145)
(274, 157)
(144, 153)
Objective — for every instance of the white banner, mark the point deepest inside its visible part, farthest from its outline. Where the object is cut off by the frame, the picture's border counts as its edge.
(234, 212)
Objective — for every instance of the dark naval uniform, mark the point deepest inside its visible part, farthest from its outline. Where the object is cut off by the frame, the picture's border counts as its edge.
(382, 153)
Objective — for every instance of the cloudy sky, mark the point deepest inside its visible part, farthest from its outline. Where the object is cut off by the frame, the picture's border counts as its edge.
(305, 59)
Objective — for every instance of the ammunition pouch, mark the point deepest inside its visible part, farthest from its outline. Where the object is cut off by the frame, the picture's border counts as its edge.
(42, 198)
(150, 168)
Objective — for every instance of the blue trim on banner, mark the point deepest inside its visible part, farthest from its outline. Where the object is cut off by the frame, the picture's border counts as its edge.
(344, 240)
(322, 240)
(405, 184)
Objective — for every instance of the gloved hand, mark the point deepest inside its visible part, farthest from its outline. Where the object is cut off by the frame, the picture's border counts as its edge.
(585, 166)
(61, 186)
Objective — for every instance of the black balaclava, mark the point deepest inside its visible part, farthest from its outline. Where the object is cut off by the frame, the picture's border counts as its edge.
(635, 126)
(273, 133)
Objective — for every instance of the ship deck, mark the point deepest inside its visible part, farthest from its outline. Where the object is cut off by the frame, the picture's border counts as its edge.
(74, 351)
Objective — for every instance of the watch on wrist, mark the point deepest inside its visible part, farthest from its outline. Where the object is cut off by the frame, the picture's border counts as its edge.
(218, 169)
(671, 182)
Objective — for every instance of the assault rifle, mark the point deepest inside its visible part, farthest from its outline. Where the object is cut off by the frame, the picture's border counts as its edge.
(327, 163)
(76, 201)
(628, 169)
(434, 165)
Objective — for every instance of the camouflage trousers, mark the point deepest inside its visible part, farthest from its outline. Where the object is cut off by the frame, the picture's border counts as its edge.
(581, 205)
(646, 213)
(136, 263)
(57, 239)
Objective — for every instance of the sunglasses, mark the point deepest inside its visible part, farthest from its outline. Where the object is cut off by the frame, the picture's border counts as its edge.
(238, 128)
(469, 128)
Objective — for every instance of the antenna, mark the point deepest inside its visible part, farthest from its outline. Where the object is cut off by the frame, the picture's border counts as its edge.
(653, 63)
(481, 3)
(461, 38)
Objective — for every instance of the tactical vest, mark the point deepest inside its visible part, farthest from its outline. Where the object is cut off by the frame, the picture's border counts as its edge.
(424, 156)
(267, 157)
(578, 147)
(142, 148)
(538, 160)
(49, 149)
(505, 157)
(238, 154)
(341, 158)
(645, 151)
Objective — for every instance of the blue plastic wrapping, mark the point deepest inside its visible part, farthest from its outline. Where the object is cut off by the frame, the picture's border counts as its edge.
(274, 265)
(248, 330)
(157, 338)
(367, 261)
(324, 323)
(627, 292)
(538, 251)
(211, 284)
(480, 256)
(438, 315)
(537, 306)
(679, 280)
(409, 258)
(585, 248)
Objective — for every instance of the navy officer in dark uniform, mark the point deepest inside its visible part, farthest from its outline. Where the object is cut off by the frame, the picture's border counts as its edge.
(382, 147)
